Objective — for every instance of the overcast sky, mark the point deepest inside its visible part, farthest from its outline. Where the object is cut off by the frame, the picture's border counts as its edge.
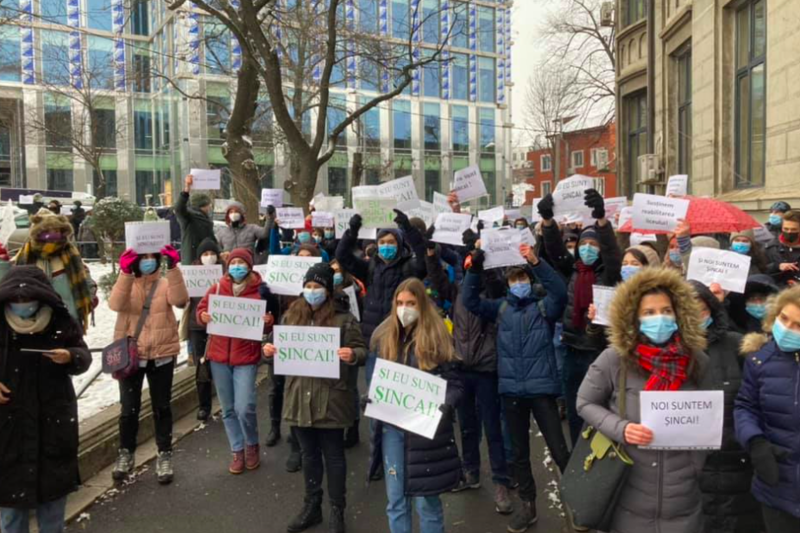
(526, 17)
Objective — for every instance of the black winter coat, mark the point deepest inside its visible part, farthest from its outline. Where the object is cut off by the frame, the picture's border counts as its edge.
(195, 227)
(39, 426)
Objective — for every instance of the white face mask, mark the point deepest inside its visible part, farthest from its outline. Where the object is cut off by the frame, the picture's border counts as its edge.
(407, 315)
(209, 260)
(235, 216)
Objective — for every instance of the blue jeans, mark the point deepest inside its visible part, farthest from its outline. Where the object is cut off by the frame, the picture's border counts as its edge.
(480, 403)
(236, 388)
(429, 508)
(50, 517)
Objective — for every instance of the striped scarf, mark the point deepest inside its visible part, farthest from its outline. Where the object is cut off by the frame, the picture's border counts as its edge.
(34, 250)
(667, 365)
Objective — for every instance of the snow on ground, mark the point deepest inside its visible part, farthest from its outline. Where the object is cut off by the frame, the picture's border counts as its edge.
(104, 391)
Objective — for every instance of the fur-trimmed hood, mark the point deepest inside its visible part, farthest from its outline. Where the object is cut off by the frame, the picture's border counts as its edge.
(753, 342)
(46, 220)
(624, 330)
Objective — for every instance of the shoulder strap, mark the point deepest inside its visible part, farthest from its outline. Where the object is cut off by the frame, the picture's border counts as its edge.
(146, 309)
(622, 393)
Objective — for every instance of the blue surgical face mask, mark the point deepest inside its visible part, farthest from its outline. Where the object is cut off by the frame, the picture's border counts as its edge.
(775, 220)
(338, 278)
(24, 309)
(317, 239)
(628, 271)
(740, 247)
(786, 339)
(329, 235)
(588, 253)
(520, 290)
(675, 257)
(757, 311)
(707, 322)
(148, 266)
(303, 238)
(658, 328)
(387, 251)
(315, 297)
(238, 272)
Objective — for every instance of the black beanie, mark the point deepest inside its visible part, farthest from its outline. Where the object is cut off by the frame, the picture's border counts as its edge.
(209, 244)
(321, 273)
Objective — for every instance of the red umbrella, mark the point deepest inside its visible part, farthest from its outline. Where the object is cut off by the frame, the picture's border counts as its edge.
(708, 215)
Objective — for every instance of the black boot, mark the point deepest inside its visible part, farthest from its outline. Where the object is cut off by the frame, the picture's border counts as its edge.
(351, 436)
(274, 435)
(309, 516)
(336, 521)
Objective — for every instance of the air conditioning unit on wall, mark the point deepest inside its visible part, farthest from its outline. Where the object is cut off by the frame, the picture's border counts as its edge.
(648, 168)
(607, 14)
(602, 159)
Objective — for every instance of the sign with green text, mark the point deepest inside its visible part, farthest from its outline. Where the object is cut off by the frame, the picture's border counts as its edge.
(240, 318)
(284, 274)
(199, 278)
(376, 212)
(306, 351)
(406, 397)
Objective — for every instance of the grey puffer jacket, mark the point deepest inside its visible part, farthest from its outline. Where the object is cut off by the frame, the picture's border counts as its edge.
(244, 236)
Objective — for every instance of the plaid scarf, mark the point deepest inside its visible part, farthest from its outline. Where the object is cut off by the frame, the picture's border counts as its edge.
(34, 250)
(667, 365)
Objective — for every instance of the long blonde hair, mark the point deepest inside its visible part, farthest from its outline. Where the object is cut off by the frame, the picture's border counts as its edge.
(433, 344)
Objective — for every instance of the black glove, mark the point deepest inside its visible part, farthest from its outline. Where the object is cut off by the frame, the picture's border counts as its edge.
(364, 401)
(469, 238)
(264, 292)
(594, 200)
(764, 456)
(480, 226)
(287, 234)
(402, 220)
(355, 225)
(478, 258)
(448, 412)
(545, 207)
(428, 236)
(271, 211)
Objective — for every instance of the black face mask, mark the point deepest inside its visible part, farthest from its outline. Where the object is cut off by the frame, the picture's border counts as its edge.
(790, 237)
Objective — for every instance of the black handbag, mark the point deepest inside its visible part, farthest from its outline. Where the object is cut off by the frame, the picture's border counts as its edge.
(121, 357)
(596, 473)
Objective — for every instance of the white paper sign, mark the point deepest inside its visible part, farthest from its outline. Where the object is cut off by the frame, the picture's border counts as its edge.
(501, 247)
(8, 225)
(376, 212)
(639, 238)
(351, 294)
(284, 274)
(66, 210)
(322, 219)
(291, 217)
(425, 211)
(406, 397)
(495, 214)
(440, 203)
(601, 297)
(365, 191)
(526, 236)
(307, 351)
(199, 278)
(729, 269)
(614, 206)
(450, 227)
(625, 214)
(677, 185)
(683, 420)
(657, 212)
(329, 203)
(513, 214)
(146, 237)
(273, 197)
(26, 199)
(468, 184)
(402, 190)
(206, 179)
(239, 318)
(569, 196)
(342, 218)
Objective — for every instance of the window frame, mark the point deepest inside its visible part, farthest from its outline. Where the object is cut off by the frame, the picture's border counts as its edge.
(549, 166)
(683, 122)
(572, 162)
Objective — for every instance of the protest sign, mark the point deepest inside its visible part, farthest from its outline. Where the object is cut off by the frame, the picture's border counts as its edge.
(146, 237)
(468, 184)
(376, 212)
(638, 238)
(569, 196)
(501, 247)
(273, 197)
(365, 191)
(206, 179)
(440, 203)
(351, 295)
(26, 199)
(329, 203)
(613, 206)
(513, 214)
(306, 351)
(495, 214)
(199, 278)
(342, 218)
(406, 397)
(240, 318)
(425, 211)
(8, 225)
(625, 214)
(677, 185)
(403, 190)
(601, 297)
(683, 420)
(450, 227)
(729, 269)
(657, 212)
(322, 219)
(284, 274)
(291, 217)
(66, 210)
(526, 236)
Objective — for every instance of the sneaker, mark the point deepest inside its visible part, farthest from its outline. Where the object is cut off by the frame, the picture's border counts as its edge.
(274, 436)
(295, 462)
(237, 463)
(252, 457)
(309, 516)
(502, 503)
(524, 518)
(468, 481)
(336, 520)
(203, 415)
(164, 468)
(124, 465)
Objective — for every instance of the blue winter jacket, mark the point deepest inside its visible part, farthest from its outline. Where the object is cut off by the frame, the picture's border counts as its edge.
(768, 406)
(526, 360)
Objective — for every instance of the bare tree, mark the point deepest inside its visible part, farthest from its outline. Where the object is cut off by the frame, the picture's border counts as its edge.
(299, 51)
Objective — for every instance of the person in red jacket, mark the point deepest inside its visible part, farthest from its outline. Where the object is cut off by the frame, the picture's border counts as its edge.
(234, 363)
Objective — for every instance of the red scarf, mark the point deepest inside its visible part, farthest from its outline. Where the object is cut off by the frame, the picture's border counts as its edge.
(583, 294)
(667, 365)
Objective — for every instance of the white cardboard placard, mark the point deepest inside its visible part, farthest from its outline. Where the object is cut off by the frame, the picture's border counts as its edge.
(272, 197)
(450, 227)
(322, 219)
(468, 184)
(601, 298)
(502, 247)
(284, 274)
(403, 190)
(8, 225)
(376, 212)
(239, 318)
(147, 237)
(307, 351)
(659, 213)
(199, 278)
(206, 179)
(683, 420)
(351, 294)
(342, 218)
(729, 269)
(495, 214)
(291, 217)
(677, 185)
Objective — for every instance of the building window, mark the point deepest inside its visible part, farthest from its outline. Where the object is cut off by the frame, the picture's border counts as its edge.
(577, 159)
(636, 112)
(55, 58)
(337, 181)
(139, 21)
(599, 158)
(53, 11)
(431, 79)
(59, 179)
(486, 119)
(547, 163)
(10, 54)
(58, 127)
(98, 14)
(486, 79)
(110, 178)
(600, 186)
(400, 24)
(100, 74)
(432, 183)
(460, 31)
(217, 118)
(460, 124)
(370, 127)
(459, 86)
(368, 16)
(684, 62)
(337, 113)
(143, 130)
(217, 40)
(431, 126)
(546, 188)
(104, 128)
(141, 73)
(401, 115)
(145, 186)
(635, 11)
(486, 41)
(430, 21)
(751, 48)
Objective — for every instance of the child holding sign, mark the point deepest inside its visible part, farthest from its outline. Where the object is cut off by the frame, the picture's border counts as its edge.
(320, 424)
